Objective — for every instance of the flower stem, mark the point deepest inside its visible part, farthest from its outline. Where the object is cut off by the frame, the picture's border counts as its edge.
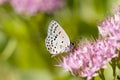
(101, 73)
(114, 67)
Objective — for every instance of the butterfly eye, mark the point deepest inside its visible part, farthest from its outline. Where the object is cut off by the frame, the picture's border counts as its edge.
(72, 44)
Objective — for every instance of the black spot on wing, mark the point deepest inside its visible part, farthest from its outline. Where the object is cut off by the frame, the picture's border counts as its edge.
(56, 52)
(56, 36)
(51, 41)
(50, 33)
(54, 22)
(59, 32)
(48, 48)
(48, 36)
(51, 37)
(52, 45)
(54, 39)
(51, 30)
(55, 28)
(47, 42)
(54, 31)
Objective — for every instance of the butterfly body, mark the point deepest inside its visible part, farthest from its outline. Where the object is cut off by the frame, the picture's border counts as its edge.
(57, 41)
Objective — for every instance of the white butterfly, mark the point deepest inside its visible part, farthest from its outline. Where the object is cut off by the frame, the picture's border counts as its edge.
(57, 41)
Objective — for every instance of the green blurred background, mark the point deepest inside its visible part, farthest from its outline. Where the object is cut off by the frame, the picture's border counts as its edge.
(23, 55)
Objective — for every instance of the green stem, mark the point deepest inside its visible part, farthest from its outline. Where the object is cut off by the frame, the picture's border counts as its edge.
(114, 67)
(101, 73)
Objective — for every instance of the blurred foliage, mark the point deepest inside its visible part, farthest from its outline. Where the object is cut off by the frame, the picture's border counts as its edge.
(23, 55)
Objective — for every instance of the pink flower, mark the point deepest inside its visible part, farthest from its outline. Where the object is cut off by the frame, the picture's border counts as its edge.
(110, 27)
(25, 6)
(50, 6)
(31, 7)
(88, 58)
(2, 1)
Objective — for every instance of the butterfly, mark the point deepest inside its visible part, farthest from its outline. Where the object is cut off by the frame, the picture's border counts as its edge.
(57, 41)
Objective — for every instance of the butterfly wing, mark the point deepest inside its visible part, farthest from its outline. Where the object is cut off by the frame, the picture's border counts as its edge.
(57, 40)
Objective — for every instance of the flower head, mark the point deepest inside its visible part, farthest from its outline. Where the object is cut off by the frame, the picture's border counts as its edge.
(110, 27)
(50, 6)
(88, 58)
(33, 6)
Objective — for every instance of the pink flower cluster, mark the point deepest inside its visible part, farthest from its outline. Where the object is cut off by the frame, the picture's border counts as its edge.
(88, 58)
(31, 7)
(111, 28)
